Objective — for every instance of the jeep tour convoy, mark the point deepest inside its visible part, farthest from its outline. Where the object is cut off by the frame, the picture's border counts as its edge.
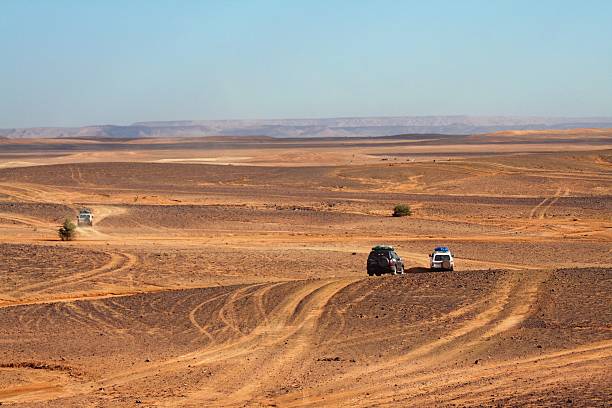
(442, 259)
(384, 259)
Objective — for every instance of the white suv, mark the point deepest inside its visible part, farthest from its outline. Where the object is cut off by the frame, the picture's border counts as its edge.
(442, 259)
(85, 217)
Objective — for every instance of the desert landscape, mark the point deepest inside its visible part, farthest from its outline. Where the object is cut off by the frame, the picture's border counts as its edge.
(231, 271)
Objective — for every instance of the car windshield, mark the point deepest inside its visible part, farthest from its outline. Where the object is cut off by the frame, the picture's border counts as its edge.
(442, 258)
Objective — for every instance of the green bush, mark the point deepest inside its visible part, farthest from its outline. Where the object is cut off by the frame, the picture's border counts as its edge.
(67, 232)
(402, 210)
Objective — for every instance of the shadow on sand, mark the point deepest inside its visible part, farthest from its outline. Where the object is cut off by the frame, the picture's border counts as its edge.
(421, 269)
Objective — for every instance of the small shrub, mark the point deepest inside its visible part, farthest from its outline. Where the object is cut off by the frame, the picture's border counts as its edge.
(67, 232)
(402, 210)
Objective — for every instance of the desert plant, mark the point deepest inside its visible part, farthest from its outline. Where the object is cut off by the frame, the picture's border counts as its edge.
(67, 232)
(402, 210)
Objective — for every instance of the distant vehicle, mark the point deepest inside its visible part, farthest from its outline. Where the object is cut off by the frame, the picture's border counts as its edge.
(85, 217)
(442, 259)
(384, 259)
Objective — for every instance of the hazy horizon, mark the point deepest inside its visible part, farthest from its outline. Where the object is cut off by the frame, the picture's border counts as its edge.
(315, 127)
(73, 64)
(326, 118)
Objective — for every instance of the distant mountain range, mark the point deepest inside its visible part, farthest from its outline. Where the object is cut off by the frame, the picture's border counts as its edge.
(332, 127)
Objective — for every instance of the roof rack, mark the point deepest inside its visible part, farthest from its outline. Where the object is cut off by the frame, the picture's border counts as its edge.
(441, 249)
(383, 248)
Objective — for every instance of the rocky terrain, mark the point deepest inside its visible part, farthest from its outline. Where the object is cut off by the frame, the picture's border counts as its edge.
(328, 127)
(232, 272)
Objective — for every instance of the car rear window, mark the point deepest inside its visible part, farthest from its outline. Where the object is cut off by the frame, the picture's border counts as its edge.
(380, 253)
(442, 258)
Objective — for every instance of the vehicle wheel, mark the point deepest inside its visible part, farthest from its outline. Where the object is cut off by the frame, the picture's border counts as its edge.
(370, 274)
(403, 271)
(377, 273)
(452, 268)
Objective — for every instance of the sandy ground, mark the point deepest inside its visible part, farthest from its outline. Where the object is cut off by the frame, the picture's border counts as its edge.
(232, 273)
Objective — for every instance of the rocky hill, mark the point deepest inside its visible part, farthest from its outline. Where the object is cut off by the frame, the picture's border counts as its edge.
(330, 127)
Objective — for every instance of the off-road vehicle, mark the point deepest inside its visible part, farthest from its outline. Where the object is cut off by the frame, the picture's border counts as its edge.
(442, 259)
(383, 259)
(85, 217)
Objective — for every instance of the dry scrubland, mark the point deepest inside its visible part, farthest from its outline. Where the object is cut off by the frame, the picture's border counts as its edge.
(231, 272)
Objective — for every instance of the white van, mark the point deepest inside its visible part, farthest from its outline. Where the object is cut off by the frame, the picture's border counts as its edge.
(442, 259)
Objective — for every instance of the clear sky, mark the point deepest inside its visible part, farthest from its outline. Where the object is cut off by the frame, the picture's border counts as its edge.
(70, 63)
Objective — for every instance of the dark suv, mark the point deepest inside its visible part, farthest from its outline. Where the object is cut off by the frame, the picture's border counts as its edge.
(383, 259)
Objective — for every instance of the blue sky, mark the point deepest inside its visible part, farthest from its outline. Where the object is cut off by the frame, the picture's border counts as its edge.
(70, 63)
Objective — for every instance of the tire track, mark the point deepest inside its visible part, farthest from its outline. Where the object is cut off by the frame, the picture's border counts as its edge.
(473, 385)
(539, 211)
(192, 316)
(84, 296)
(38, 194)
(554, 199)
(294, 317)
(534, 213)
(30, 221)
(508, 306)
(35, 293)
(226, 314)
(282, 350)
(354, 341)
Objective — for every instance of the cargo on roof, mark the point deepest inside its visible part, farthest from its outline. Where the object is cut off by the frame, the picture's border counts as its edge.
(383, 248)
